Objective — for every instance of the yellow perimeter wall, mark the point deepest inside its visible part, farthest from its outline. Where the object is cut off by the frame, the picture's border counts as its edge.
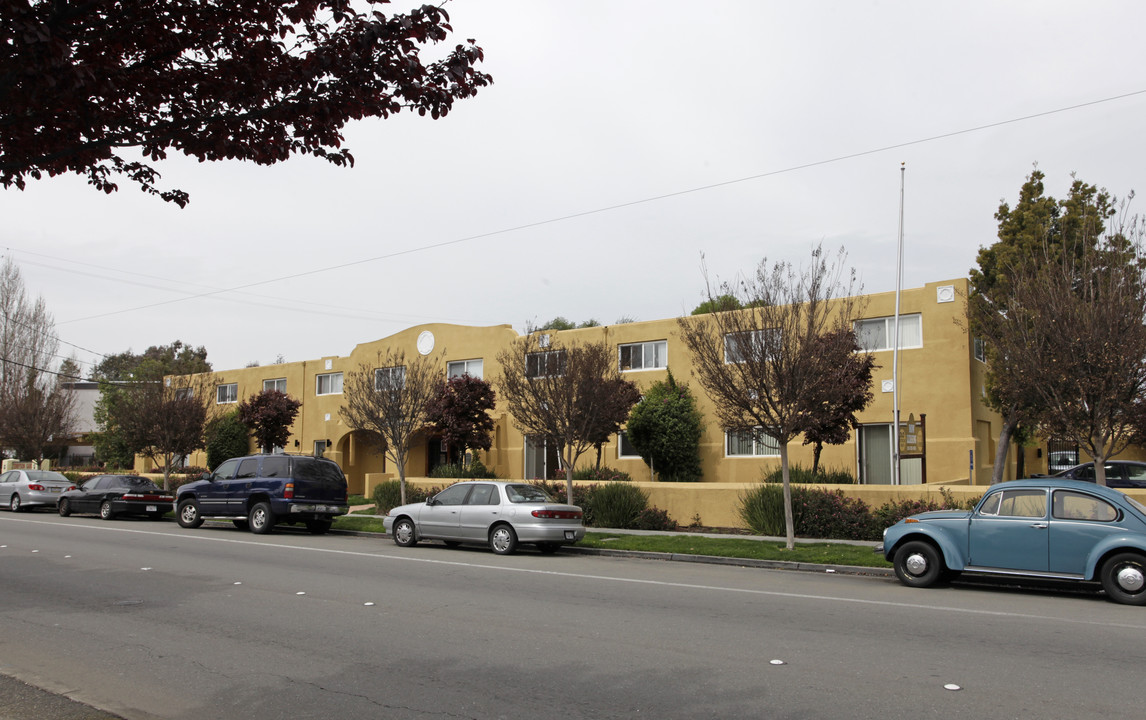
(941, 379)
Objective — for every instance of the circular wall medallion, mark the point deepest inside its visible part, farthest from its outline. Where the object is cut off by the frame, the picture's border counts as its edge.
(426, 342)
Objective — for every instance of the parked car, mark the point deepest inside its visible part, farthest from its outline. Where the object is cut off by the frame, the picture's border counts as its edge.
(260, 491)
(26, 489)
(113, 495)
(1039, 528)
(500, 514)
(1119, 473)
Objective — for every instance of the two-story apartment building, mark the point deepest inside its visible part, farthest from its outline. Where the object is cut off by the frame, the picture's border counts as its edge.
(946, 426)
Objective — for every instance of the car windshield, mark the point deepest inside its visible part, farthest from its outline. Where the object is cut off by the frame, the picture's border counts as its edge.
(526, 494)
(45, 476)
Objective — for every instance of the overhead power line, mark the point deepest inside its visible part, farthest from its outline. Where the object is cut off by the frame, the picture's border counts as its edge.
(619, 206)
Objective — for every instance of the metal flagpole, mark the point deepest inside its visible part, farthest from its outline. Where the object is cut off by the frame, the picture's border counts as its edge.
(895, 479)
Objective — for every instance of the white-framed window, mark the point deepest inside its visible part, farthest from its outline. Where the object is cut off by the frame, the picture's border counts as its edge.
(980, 349)
(750, 442)
(183, 393)
(644, 355)
(389, 378)
(750, 344)
(228, 393)
(328, 384)
(457, 368)
(550, 363)
(876, 334)
(625, 449)
(319, 447)
(275, 384)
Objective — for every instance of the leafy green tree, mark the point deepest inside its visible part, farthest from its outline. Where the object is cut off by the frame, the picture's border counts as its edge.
(665, 427)
(1056, 232)
(226, 437)
(269, 415)
(720, 303)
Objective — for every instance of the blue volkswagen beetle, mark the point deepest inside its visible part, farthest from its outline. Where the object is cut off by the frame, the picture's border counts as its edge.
(1040, 528)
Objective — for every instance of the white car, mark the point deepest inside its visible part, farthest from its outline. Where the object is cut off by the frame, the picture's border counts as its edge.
(21, 489)
(500, 514)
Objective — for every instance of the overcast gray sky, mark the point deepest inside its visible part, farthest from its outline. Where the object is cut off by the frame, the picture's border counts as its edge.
(621, 140)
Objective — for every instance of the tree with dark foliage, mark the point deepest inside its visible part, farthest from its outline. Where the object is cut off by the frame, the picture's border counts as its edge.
(269, 415)
(847, 391)
(257, 80)
(460, 412)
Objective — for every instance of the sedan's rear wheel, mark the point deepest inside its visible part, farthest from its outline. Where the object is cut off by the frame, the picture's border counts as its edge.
(64, 508)
(918, 564)
(188, 514)
(105, 510)
(1124, 578)
(14, 503)
(405, 534)
(502, 540)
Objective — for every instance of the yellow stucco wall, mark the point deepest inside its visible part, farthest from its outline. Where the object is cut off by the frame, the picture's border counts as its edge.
(941, 380)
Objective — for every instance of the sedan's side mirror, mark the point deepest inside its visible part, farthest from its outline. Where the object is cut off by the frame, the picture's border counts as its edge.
(429, 501)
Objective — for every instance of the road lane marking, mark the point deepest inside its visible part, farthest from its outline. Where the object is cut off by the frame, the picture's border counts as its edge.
(586, 576)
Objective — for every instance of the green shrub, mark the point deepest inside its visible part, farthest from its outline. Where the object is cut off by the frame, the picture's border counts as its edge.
(618, 505)
(388, 494)
(829, 514)
(457, 471)
(603, 474)
(226, 437)
(679, 476)
(762, 509)
(804, 476)
(654, 519)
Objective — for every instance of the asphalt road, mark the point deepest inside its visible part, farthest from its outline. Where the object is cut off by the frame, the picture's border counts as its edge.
(147, 620)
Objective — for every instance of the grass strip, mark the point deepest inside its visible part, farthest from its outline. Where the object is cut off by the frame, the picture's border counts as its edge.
(821, 553)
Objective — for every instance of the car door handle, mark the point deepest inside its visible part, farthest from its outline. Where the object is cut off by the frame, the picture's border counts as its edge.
(1039, 526)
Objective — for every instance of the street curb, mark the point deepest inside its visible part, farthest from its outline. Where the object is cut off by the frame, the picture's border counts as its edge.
(735, 562)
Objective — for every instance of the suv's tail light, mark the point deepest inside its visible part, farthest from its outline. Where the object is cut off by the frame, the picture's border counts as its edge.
(557, 514)
(288, 491)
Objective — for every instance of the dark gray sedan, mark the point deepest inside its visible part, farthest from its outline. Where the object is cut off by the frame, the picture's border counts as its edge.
(500, 514)
(114, 495)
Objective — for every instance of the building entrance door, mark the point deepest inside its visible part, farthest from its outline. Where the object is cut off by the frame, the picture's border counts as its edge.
(875, 454)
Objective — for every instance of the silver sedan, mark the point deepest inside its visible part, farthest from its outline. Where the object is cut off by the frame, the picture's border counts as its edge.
(500, 514)
(21, 489)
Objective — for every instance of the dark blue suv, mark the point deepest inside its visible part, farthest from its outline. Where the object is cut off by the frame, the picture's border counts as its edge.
(259, 491)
